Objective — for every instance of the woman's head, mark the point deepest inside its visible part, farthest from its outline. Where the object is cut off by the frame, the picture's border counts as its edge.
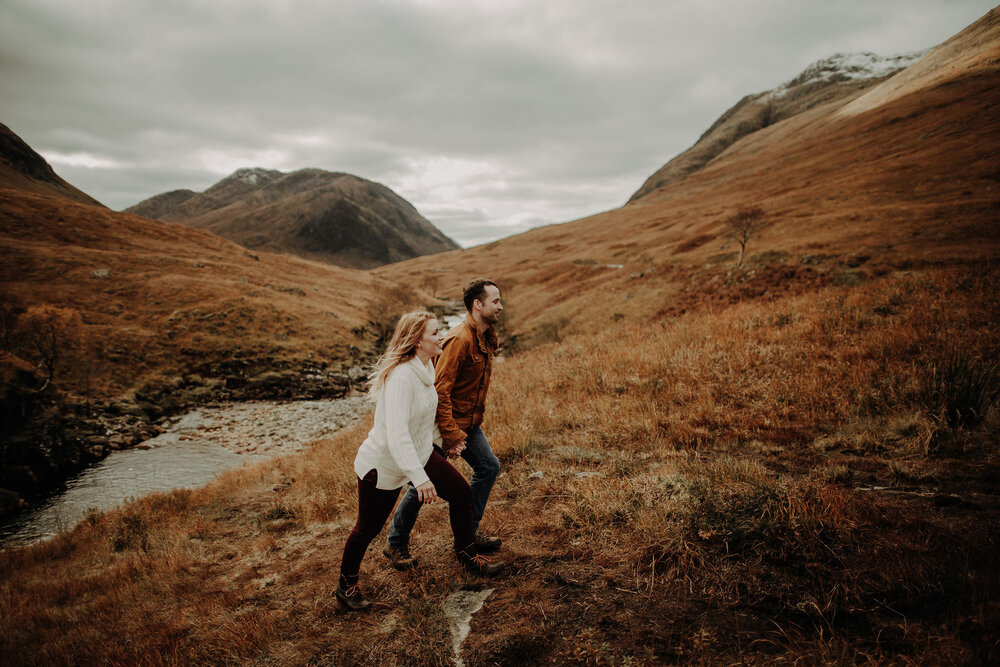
(414, 331)
(410, 330)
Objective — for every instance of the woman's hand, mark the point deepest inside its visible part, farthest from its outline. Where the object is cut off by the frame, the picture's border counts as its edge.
(455, 451)
(427, 493)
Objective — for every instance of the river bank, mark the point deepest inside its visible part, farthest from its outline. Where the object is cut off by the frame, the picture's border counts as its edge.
(49, 437)
(188, 451)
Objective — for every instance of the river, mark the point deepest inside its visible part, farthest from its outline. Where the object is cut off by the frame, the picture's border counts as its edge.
(193, 449)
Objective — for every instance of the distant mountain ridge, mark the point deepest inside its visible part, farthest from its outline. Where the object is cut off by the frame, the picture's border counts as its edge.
(22, 168)
(826, 80)
(333, 217)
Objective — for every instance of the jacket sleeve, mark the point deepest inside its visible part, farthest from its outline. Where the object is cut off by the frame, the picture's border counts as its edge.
(398, 403)
(445, 373)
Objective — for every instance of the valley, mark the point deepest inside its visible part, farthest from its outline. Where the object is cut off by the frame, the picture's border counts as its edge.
(793, 460)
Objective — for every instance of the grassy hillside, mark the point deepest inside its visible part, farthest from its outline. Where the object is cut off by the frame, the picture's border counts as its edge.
(808, 480)
(898, 177)
(163, 298)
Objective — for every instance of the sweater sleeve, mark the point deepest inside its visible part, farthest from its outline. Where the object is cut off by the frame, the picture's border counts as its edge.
(398, 398)
(446, 370)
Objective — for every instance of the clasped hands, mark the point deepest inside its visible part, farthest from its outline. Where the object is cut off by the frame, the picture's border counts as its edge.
(426, 491)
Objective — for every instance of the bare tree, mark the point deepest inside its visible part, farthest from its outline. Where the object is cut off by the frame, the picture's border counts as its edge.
(745, 224)
(51, 334)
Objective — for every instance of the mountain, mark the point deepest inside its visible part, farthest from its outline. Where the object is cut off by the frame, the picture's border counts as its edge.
(896, 176)
(827, 80)
(22, 168)
(333, 217)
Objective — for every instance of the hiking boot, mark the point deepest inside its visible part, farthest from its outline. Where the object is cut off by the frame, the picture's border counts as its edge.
(475, 563)
(400, 558)
(352, 597)
(486, 544)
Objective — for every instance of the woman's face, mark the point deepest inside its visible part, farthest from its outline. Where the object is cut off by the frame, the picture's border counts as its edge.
(430, 342)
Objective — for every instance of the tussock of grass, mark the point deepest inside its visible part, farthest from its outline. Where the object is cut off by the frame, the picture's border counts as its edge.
(763, 484)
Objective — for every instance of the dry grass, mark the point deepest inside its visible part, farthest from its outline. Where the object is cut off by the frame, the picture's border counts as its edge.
(704, 496)
(176, 301)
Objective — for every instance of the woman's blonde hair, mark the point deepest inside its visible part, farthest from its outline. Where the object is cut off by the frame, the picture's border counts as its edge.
(403, 346)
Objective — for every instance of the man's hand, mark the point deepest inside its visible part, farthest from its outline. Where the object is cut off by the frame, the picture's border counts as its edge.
(455, 451)
(427, 493)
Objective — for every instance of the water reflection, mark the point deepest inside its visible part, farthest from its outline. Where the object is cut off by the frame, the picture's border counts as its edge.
(170, 462)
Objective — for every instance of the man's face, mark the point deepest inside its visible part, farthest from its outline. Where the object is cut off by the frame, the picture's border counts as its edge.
(491, 306)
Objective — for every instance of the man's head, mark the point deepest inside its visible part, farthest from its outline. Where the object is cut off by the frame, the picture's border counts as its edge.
(483, 296)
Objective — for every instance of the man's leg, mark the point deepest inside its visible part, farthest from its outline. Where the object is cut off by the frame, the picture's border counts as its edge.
(403, 520)
(485, 468)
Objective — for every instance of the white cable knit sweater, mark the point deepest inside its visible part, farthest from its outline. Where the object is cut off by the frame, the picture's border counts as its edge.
(399, 444)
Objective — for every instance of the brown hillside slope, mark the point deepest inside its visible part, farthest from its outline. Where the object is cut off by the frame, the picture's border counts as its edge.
(899, 185)
(174, 300)
(21, 168)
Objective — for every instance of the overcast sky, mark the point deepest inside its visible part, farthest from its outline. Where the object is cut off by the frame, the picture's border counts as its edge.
(491, 117)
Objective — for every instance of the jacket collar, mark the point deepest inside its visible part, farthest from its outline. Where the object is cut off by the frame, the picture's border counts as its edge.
(489, 337)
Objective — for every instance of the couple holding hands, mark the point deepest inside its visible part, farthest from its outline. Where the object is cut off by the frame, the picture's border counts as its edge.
(425, 413)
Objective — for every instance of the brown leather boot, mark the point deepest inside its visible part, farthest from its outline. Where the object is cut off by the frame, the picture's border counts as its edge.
(475, 563)
(400, 558)
(486, 544)
(351, 596)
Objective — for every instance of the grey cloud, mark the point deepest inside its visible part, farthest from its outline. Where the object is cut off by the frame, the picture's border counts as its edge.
(557, 109)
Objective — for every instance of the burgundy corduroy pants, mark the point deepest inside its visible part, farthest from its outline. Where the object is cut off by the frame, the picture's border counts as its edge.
(375, 505)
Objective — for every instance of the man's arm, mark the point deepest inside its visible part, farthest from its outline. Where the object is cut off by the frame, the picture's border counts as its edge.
(445, 372)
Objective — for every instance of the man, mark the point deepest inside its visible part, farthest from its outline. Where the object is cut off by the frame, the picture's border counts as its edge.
(462, 379)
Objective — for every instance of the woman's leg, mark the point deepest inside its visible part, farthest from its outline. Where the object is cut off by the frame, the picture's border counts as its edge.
(374, 506)
(452, 487)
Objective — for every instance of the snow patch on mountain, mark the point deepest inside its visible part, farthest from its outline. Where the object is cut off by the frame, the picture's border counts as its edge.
(849, 66)
(254, 175)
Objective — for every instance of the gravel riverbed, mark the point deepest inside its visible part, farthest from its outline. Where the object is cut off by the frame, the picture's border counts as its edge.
(266, 428)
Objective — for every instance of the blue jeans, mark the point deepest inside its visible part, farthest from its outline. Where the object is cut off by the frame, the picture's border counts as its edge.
(485, 468)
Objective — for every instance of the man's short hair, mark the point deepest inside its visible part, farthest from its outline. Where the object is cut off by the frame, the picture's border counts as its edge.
(476, 289)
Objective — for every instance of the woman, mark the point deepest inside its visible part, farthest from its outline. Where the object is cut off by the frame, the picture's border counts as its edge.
(399, 449)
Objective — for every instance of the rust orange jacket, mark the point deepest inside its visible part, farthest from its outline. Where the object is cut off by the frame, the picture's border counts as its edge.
(462, 379)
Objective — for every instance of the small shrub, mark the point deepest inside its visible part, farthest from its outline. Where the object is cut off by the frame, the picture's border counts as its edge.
(131, 531)
(737, 518)
(550, 330)
(782, 320)
(961, 390)
(837, 474)
(741, 507)
(523, 450)
(175, 502)
(278, 513)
